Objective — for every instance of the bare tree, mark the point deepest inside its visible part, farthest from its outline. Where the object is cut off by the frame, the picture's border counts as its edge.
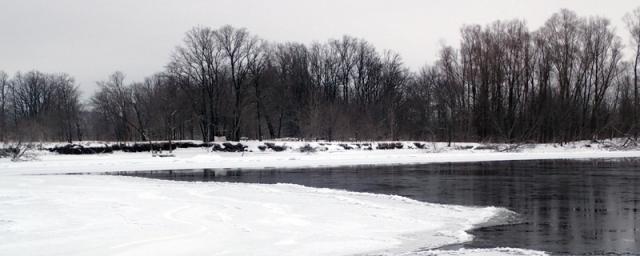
(41, 107)
(604, 50)
(65, 108)
(199, 63)
(236, 44)
(113, 101)
(4, 84)
(258, 60)
(632, 21)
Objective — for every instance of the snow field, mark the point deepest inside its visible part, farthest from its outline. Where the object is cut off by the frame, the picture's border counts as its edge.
(109, 215)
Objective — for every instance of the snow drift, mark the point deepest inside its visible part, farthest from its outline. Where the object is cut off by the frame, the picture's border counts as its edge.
(107, 215)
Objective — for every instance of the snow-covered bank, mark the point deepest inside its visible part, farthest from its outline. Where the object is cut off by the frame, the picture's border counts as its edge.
(196, 158)
(106, 215)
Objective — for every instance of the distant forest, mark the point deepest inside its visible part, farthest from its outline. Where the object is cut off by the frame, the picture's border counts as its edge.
(567, 80)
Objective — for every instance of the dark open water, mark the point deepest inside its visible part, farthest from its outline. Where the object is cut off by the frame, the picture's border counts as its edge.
(576, 207)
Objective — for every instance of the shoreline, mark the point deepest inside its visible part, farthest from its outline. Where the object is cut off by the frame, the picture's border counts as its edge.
(185, 159)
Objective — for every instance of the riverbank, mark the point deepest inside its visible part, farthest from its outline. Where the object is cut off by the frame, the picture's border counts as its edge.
(309, 155)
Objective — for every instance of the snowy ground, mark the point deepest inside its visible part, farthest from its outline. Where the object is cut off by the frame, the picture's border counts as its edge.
(196, 158)
(109, 215)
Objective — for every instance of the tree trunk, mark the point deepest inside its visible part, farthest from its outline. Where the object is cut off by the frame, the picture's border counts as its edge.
(635, 93)
(258, 117)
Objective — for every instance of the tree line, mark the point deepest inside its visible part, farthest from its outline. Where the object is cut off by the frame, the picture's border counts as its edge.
(567, 80)
(36, 106)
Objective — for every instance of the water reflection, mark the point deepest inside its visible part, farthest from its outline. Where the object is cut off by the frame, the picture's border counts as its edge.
(569, 207)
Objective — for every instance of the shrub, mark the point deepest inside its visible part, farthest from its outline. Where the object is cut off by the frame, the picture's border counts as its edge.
(390, 145)
(74, 149)
(345, 146)
(228, 147)
(307, 149)
(419, 145)
(275, 147)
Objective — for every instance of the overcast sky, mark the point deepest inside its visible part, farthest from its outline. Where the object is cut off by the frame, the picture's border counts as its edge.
(90, 39)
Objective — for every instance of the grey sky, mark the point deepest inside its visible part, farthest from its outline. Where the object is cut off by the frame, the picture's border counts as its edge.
(90, 39)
